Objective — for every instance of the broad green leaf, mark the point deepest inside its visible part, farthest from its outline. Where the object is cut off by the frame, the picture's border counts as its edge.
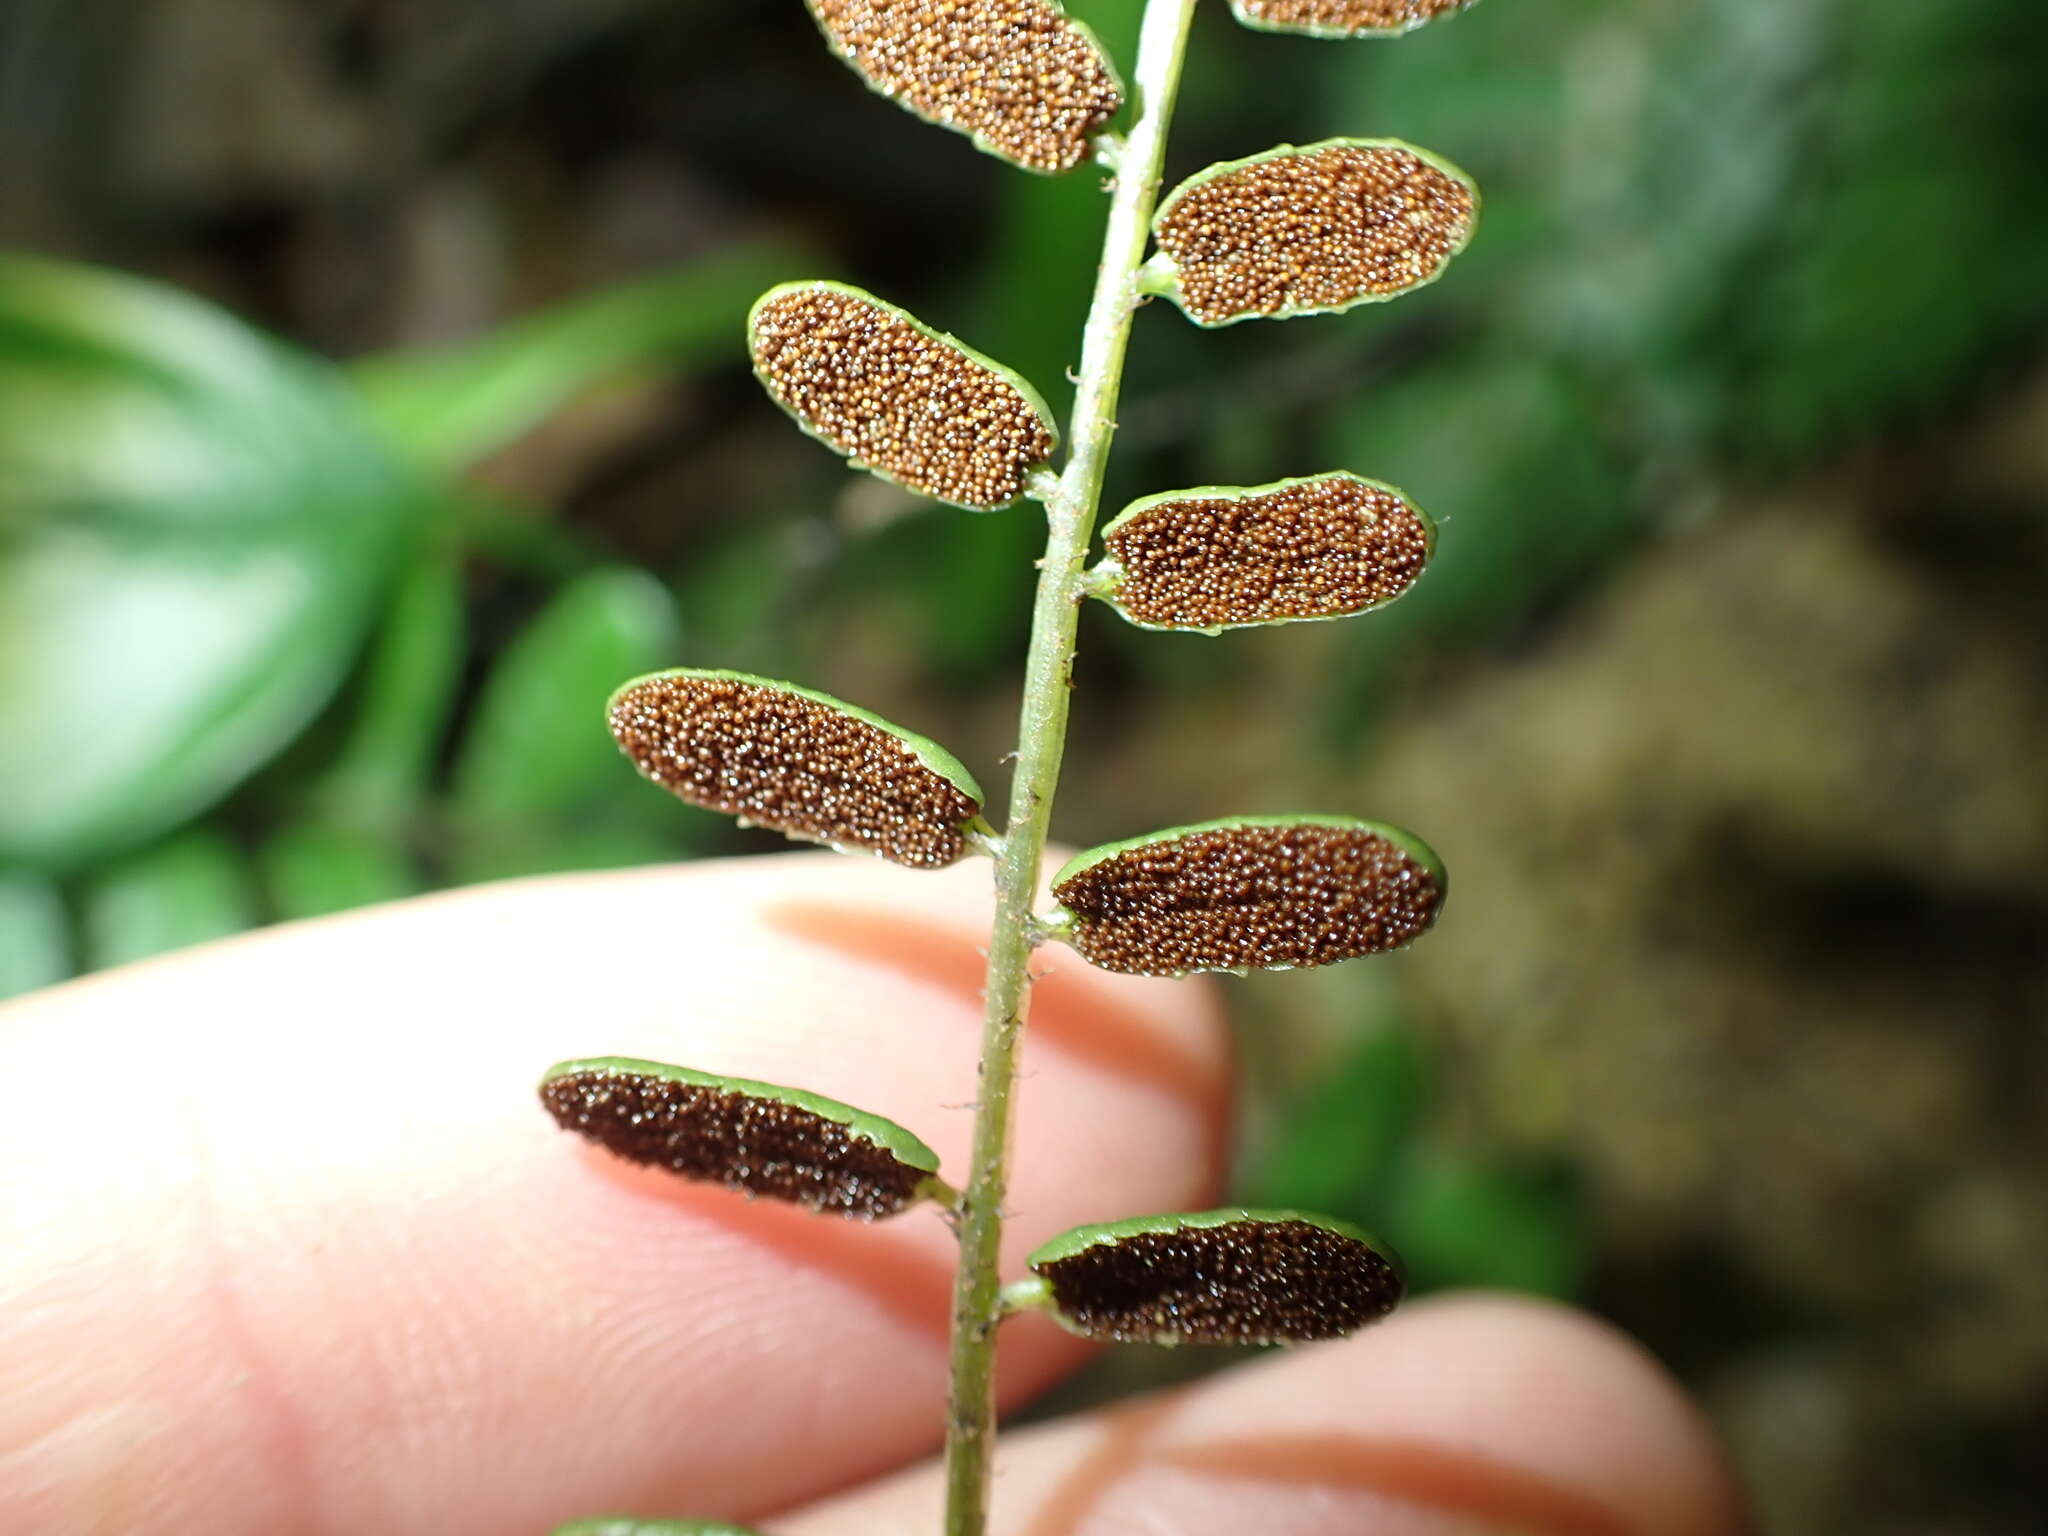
(1309, 231)
(1227, 556)
(1022, 79)
(451, 407)
(35, 933)
(799, 762)
(195, 523)
(898, 398)
(537, 786)
(1248, 892)
(1342, 18)
(627, 1525)
(193, 888)
(1215, 1277)
(762, 1138)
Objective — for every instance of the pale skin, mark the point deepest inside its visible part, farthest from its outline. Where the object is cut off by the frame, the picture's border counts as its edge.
(287, 1246)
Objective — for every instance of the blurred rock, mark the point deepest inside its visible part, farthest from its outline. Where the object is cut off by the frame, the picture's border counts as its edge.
(1749, 920)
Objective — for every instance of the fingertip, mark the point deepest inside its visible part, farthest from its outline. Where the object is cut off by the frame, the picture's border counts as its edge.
(1575, 1396)
(434, 1281)
(1476, 1413)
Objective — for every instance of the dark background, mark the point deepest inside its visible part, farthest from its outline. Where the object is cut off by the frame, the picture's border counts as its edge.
(1726, 700)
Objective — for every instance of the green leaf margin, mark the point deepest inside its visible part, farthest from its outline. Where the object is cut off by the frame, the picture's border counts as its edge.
(1161, 275)
(1109, 569)
(1009, 376)
(1407, 842)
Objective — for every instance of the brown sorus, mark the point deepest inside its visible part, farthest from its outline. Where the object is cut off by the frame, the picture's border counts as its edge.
(1303, 231)
(794, 761)
(748, 1142)
(1249, 894)
(1018, 76)
(1241, 1282)
(1338, 18)
(1318, 548)
(897, 397)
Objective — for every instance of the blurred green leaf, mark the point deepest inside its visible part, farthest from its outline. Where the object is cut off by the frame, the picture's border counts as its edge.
(35, 934)
(538, 738)
(398, 710)
(1919, 243)
(450, 407)
(187, 890)
(1353, 1147)
(316, 867)
(539, 784)
(194, 525)
(1341, 1149)
(735, 593)
(1873, 231)
(1030, 292)
(968, 583)
(970, 586)
(352, 844)
(1462, 1224)
(500, 531)
(1540, 505)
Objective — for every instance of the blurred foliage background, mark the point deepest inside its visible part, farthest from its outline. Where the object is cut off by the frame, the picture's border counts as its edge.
(372, 400)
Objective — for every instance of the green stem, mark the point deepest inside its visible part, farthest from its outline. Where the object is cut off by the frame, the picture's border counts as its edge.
(1041, 740)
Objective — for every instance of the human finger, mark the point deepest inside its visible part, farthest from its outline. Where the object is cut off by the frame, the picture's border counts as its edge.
(288, 1245)
(1470, 1415)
